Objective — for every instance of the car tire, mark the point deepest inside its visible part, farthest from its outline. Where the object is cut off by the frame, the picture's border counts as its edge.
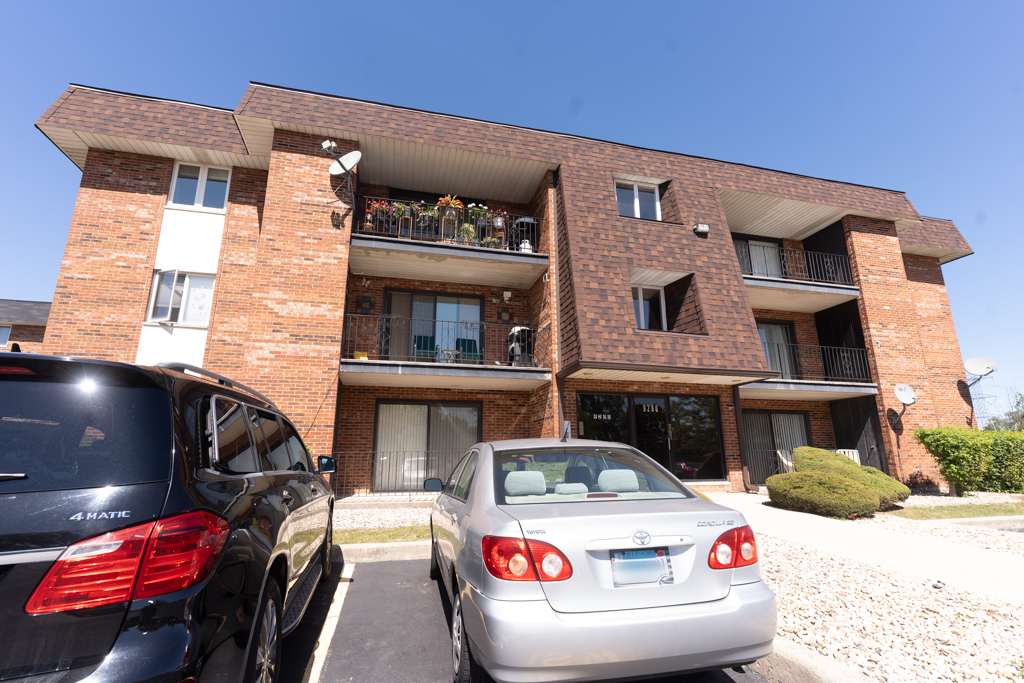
(464, 667)
(325, 551)
(435, 568)
(264, 664)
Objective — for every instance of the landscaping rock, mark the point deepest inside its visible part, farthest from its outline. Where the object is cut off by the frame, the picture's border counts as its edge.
(379, 518)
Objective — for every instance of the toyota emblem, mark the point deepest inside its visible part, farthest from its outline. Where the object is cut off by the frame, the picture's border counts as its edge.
(641, 538)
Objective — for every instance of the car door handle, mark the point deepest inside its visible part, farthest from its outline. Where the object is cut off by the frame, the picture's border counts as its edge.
(455, 518)
(313, 489)
(287, 498)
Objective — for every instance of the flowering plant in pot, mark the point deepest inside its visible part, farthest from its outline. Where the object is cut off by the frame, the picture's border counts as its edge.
(491, 242)
(467, 233)
(450, 201)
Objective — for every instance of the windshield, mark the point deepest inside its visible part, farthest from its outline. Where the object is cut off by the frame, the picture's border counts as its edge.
(64, 435)
(578, 475)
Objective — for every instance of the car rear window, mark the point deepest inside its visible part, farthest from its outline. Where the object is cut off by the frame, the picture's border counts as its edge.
(580, 475)
(84, 434)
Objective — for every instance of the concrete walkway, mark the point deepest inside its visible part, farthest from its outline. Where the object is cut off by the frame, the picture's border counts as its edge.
(982, 571)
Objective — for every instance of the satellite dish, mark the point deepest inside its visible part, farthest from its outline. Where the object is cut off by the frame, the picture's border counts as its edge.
(346, 163)
(905, 394)
(981, 366)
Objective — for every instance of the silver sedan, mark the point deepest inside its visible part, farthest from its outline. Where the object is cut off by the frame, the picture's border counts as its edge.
(585, 560)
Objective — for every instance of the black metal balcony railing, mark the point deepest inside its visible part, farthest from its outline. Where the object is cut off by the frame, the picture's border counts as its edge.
(793, 264)
(821, 363)
(764, 463)
(390, 337)
(474, 226)
(392, 473)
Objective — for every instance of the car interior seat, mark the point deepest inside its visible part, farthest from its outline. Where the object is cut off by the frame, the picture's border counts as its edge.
(580, 474)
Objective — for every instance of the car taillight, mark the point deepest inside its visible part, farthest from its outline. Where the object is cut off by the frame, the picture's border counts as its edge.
(94, 572)
(180, 553)
(138, 562)
(516, 559)
(734, 548)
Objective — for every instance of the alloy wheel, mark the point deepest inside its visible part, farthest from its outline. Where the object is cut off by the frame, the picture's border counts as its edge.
(266, 650)
(457, 634)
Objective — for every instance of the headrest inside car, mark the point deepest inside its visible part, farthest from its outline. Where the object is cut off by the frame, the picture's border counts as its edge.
(618, 481)
(526, 484)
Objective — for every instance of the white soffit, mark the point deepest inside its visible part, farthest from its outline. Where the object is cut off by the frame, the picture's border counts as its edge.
(639, 179)
(758, 214)
(76, 144)
(418, 166)
(683, 377)
(650, 277)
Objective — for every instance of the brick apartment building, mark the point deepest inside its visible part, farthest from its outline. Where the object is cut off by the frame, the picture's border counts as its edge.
(712, 314)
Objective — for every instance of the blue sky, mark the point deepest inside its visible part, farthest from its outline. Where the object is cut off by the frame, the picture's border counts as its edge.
(924, 97)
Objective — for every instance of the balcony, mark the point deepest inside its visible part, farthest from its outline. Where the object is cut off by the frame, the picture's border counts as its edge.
(814, 373)
(387, 350)
(795, 279)
(470, 245)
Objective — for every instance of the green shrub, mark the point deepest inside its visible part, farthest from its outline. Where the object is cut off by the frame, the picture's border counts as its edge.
(889, 491)
(1006, 470)
(822, 493)
(964, 455)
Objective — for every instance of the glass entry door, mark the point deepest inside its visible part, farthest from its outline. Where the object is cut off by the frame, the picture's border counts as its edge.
(652, 435)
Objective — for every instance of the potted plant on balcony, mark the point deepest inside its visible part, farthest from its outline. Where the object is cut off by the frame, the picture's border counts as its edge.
(449, 207)
(491, 242)
(467, 233)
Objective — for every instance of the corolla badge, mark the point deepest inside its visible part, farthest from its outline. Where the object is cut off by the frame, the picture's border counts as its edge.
(641, 537)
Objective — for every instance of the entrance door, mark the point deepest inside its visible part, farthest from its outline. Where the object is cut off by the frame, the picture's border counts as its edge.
(766, 433)
(650, 415)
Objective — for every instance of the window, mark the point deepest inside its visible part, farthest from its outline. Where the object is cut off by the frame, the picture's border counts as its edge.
(301, 461)
(638, 201)
(200, 186)
(182, 298)
(5, 335)
(235, 453)
(465, 477)
(649, 307)
(278, 458)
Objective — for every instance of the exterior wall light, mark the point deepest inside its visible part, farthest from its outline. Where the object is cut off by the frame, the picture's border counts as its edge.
(702, 228)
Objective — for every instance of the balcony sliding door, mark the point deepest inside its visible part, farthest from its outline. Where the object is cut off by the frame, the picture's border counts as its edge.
(433, 327)
(778, 348)
(765, 433)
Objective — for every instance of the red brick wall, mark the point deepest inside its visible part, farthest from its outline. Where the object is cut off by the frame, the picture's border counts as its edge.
(730, 437)
(806, 330)
(106, 274)
(506, 415)
(29, 338)
(544, 313)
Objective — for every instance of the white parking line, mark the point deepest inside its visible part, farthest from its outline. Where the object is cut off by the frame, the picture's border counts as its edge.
(330, 624)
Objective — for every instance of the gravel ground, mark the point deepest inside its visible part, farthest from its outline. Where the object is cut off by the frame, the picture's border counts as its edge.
(979, 537)
(974, 498)
(379, 518)
(890, 626)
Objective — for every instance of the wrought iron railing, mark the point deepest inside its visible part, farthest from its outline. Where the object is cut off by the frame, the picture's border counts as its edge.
(391, 473)
(822, 363)
(793, 264)
(762, 464)
(474, 226)
(391, 337)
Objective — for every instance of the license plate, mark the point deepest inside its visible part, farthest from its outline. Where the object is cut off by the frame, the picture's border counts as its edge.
(646, 565)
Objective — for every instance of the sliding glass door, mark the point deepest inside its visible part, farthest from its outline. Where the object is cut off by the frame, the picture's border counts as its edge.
(766, 434)
(423, 326)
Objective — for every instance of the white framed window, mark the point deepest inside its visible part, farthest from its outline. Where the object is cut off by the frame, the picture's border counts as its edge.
(5, 335)
(649, 307)
(638, 201)
(199, 186)
(180, 298)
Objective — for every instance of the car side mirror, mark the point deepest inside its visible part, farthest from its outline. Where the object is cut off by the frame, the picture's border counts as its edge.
(433, 485)
(326, 464)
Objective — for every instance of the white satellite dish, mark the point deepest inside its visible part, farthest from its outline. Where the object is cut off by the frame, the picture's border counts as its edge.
(346, 163)
(905, 394)
(981, 366)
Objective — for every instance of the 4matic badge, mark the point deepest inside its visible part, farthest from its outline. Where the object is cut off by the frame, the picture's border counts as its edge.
(113, 514)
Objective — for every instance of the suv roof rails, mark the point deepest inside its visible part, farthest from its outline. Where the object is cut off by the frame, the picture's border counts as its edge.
(227, 381)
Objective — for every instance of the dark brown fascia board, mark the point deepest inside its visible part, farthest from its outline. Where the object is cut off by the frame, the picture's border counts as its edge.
(551, 132)
(755, 375)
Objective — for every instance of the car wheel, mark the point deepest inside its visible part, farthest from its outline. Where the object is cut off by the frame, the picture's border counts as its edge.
(435, 568)
(464, 667)
(265, 650)
(325, 551)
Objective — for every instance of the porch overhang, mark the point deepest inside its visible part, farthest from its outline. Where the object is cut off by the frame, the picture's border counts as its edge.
(382, 373)
(789, 295)
(439, 262)
(806, 390)
(631, 372)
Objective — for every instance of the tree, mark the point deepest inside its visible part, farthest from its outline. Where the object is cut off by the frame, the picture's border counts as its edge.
(1012, 421)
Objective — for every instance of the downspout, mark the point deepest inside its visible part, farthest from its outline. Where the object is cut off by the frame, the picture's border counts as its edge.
(750, 488)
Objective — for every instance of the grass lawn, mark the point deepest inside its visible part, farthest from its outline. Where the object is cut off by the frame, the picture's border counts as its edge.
(395, 535)
(961, 511)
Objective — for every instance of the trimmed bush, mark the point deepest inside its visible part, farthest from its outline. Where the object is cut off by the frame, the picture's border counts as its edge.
(889, 491)
(822, 493)
(977, 461)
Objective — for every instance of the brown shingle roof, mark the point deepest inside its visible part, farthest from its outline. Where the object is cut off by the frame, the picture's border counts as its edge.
(935, 237)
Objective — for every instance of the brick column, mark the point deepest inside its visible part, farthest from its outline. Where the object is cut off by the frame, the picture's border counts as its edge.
(544, 316)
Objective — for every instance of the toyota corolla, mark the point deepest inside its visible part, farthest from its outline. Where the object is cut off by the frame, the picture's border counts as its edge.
(584, 560)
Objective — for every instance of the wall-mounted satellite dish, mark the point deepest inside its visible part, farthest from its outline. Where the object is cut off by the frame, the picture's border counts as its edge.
(346, 163)
(905, 394)
(980, 366)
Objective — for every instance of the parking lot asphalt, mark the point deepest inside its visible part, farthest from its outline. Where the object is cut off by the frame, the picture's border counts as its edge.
(392, 627)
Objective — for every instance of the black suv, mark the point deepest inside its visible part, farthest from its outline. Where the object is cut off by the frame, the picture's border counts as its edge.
(156, 524)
